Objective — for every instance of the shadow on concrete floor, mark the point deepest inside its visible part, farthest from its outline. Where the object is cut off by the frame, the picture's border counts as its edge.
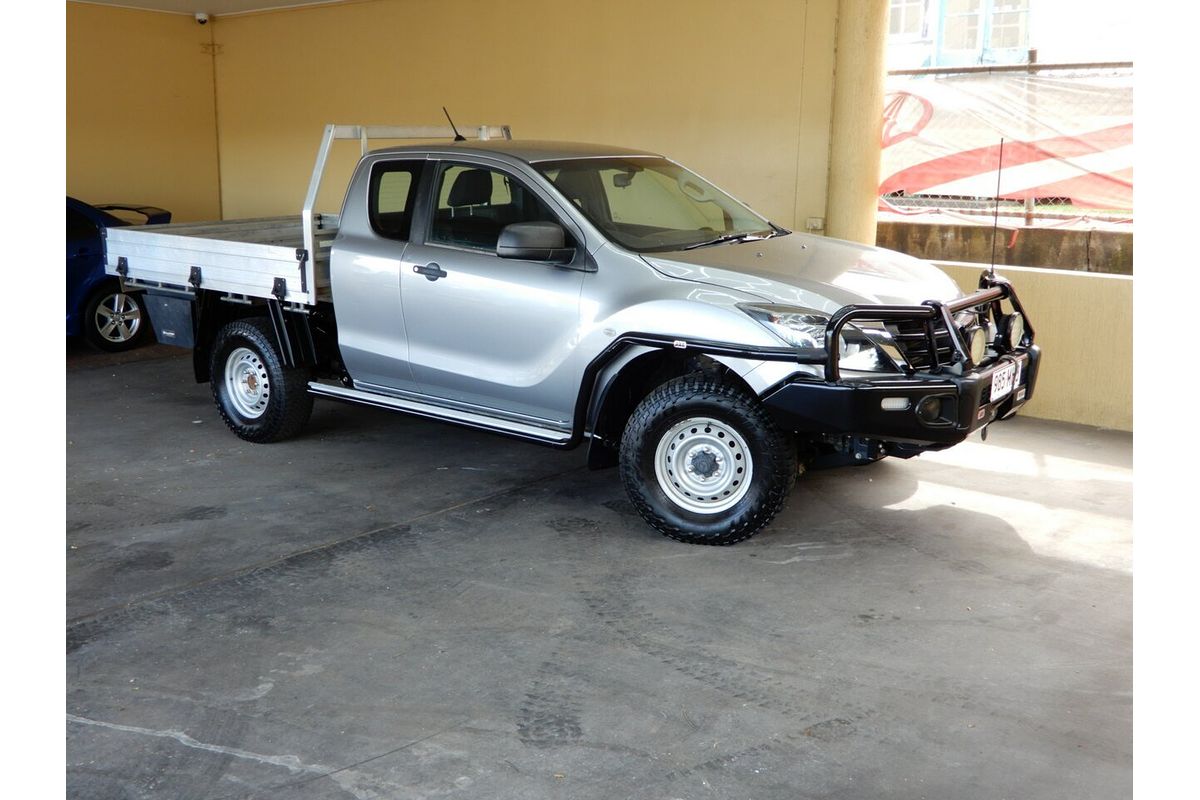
(387, 607)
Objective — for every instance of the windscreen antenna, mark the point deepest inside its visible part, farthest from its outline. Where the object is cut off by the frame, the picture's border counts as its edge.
(996, 214)
(458, 137)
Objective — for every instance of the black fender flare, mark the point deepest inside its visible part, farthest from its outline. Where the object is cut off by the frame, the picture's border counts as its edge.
(607, 368)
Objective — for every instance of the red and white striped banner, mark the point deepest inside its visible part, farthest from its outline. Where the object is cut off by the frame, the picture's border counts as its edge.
(1064, 137)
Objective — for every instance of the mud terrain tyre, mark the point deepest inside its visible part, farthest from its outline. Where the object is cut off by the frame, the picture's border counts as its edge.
(259, 398)
(704, 463)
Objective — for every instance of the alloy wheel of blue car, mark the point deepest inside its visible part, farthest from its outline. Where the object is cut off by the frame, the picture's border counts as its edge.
(115, 320)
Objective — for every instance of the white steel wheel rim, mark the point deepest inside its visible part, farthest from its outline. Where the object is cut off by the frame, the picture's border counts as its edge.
(247, 383)
(703, 465)
(118, 318)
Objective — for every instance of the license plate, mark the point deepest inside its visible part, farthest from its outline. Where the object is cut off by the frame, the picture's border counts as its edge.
(1003, 380)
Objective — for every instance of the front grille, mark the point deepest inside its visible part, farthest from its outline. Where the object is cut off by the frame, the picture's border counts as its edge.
(913, 343)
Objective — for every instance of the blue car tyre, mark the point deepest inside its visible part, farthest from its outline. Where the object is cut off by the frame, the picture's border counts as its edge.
(114, 320)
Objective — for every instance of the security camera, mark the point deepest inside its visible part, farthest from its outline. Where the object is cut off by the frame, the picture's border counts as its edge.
(201, 18)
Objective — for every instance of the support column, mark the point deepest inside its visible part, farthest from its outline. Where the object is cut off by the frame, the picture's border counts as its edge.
(857, 126)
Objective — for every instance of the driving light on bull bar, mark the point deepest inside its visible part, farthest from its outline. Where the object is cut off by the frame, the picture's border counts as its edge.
(1014, 330)
(894, 404)
(977, 340)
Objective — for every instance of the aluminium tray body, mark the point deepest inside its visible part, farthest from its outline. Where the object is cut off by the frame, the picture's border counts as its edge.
(236, 257)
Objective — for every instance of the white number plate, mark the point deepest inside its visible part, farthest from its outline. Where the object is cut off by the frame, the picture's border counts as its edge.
(1003, 380)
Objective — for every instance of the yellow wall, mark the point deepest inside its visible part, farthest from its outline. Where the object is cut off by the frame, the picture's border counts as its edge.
(738, 92)
(1084, 324)
(742, 93)
(140, 125)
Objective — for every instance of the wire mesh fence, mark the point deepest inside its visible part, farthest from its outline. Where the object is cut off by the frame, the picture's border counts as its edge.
(1038, 145)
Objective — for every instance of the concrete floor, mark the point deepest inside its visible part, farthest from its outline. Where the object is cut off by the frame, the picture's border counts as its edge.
(393, 608)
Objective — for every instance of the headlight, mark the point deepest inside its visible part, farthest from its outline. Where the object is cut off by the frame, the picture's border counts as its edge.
(802, 328)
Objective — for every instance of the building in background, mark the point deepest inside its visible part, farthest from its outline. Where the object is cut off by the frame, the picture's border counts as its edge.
(1021, 109)
(957, 33)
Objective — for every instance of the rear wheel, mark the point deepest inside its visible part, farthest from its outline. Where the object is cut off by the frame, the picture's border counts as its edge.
(116, 321)
(703, 462)
(260, 399)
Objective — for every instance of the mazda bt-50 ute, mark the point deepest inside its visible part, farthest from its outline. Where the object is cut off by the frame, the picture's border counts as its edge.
(574, 294)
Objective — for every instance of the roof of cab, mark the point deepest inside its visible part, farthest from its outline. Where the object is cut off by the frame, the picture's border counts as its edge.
(529, 151)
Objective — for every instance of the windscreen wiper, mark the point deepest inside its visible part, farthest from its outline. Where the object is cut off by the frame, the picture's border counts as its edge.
(744, 236)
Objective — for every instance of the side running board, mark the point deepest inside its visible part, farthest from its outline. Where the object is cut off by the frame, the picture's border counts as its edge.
(459, 417)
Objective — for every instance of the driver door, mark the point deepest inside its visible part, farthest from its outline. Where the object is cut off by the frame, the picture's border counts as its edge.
(484, 331)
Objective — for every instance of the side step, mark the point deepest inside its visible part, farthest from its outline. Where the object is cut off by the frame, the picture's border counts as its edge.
(470, 419)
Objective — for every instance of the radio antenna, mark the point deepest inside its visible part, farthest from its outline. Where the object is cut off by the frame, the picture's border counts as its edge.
(458, 137)
(996, 214)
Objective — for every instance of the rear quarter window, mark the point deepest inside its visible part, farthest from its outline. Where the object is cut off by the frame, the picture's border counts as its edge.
(392, 196)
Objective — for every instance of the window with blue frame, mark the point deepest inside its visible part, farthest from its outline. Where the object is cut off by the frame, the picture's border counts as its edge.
(906, 19)
(983, 32)
(1009, 25)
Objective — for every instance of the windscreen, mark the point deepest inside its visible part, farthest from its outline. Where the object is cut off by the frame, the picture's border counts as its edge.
(649, 204)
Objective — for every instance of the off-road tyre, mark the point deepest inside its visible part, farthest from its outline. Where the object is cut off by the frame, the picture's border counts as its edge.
(259, 398)
(767, 453)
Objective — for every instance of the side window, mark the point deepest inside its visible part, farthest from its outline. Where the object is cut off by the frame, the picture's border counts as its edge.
(475, 203)
(391, 197)
(79, 226)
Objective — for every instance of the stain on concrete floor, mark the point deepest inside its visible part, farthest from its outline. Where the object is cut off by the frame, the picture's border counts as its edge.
(356, 614)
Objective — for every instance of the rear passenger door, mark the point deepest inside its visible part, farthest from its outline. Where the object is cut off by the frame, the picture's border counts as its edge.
(487, 331)
(365, 271)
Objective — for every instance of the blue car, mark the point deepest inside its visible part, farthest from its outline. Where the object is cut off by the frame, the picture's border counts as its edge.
(97, 309)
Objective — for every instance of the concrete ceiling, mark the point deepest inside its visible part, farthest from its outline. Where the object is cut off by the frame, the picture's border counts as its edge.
(215, 7)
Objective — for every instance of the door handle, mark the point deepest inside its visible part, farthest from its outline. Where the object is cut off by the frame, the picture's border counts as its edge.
(431, 271)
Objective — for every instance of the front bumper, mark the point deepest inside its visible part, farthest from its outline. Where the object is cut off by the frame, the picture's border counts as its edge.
(854, 406)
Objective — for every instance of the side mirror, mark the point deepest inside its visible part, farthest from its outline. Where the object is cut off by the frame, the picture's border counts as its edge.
(534, 241)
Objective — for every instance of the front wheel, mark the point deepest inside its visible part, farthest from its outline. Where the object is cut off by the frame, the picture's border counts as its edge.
(260, 399)
(704, 463)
